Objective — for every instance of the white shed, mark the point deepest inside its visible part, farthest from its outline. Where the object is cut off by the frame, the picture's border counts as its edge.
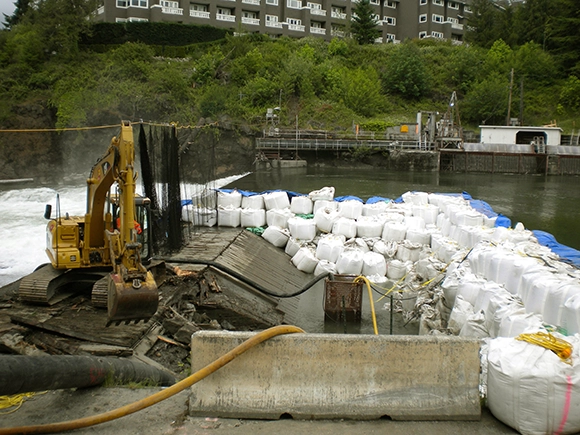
(524, 135)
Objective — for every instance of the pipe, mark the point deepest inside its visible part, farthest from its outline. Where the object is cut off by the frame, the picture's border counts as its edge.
(373, 314)
(24, 374)
(242, 278)
(160, 395)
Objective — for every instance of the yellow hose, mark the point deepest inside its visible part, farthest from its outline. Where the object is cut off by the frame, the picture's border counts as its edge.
(159, 396)
(374, 316)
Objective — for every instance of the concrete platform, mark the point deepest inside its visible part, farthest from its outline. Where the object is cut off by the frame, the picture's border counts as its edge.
(328, 376)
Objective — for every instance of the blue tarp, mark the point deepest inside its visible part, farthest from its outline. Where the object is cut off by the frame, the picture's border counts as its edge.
(347, 198)
(375, 199)
(565, 252)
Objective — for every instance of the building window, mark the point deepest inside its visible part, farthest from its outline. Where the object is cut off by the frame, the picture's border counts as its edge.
(390, 4)
(467, 9)
(316, 25)
(375, 2)
(169, 4)
(423, 2)
(422, 35)
(122, 4)
(294, 21)
(390, 37)
(139, 4)
(452, 20)
(249, 14)
(272, 2)
(423, 18)
(437, 18)
(390, 21)
(314, 6)
(199, 8)
(438, 2)
(453, 5)
(437, 35)
(224, 11)
(294, 4)
(271, 18)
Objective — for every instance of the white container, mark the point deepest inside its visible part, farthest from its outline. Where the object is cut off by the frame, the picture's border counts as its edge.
(396, 269)
(276, 200)
(350, 262)
(330, 247)
(228, 216)
(421, 237)
(394, 231)
(302, 229)
(408, 251)
(253, 201)
(345, 226)
(370, 226)
(322, 203)
(374, 264)
(301, 205)
(324, 218)
(276, 236)
(229, 199)
(326, 194)
(427, 212)
(350, 208)
(325, 266)
(252, 217)
(375, 208)
(305, 260)
(416, 198)
(278, 217)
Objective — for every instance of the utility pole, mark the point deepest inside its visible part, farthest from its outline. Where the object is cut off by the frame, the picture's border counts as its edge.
(510, 98)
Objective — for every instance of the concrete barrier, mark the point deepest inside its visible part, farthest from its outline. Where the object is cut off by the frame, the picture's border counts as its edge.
(317, 376)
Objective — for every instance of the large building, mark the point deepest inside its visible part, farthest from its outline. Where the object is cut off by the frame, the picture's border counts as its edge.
(397, 19)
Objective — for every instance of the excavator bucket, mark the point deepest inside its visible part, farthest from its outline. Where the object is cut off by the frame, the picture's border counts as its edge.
(132, 300)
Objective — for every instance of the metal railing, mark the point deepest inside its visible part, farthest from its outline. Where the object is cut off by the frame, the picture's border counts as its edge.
(338, 144)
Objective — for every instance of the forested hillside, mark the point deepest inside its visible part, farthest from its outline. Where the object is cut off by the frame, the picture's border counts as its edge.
(50, 76)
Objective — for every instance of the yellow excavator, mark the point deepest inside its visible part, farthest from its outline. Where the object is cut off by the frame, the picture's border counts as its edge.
(104, 247)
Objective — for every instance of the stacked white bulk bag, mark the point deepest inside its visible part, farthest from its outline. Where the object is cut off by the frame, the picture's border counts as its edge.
(408, 251)
(350, 262)
(374, 264)
(302, 229)
(344, 226)
(418, 236)
(518, 322)
(571, 315)
(531, 389)
(325, 266)
(301, 205)
(416, 198)
(324, 218)
(293, 246)
(252, 217)
(330, 247)
(375, 208)
(305, 260)
(278, 217)
(276, 236)
(276, 200)
(461, 311)
(396, 269)
(228, 216)
(427, 212)
(386, 249)
(394, 231)
(350, 208)
(253, 201)
(322, 203)
(229, 199)
(370, 226)
(199, 216)
(324, 194)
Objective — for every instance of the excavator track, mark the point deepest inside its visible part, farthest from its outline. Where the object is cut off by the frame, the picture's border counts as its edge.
(100, 293)
(40, 286)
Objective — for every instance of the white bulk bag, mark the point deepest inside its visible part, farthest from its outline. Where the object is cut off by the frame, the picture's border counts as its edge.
(326, 194)
(302, 229)
(301, 205)
(344, 226)
(278, 217)
(276, 199)
(469, 287)
(228, 216)
(530, 389)
(421, 237)
(518, 321)
(374, 264)
(350, 262)
(253, 201)
(252, 217)
(305, 260)
(350, 208)
(394, 231)
(415, 222)
(293, 246)
(370, 226)
(325, 266)
(276, 236)
(374, 208)
(427, 212)
(387, 249)
(416, 198)
(408, 251)
(200, 216)
(324, 218)
(459, 314)
(396, 269)
(329, 247)
(322, 203)
(571, 315)
(229, 199)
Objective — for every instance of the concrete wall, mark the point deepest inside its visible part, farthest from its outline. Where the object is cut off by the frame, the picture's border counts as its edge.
(339, 376)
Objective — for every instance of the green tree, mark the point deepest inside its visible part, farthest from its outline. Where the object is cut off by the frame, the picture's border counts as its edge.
(406, 73)
(486, 101)
(364, 23)
(533, 21)
(22, 7)
(482, 25)
(563, 35)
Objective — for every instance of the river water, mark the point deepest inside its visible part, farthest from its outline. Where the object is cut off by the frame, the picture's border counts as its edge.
(550, 204)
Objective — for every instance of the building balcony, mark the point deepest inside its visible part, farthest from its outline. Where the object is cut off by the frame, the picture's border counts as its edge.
(276, 25)
(321, 12)
(251, 2)
(222, 17)
(296, 27)
(457, 26)
(252, 21)
(318, 30)
(101, 10)
(338, 33)
(199, 14)
(172, 11)
(338, 15)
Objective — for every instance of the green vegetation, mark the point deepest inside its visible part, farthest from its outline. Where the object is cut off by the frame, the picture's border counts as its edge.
(51, 55)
